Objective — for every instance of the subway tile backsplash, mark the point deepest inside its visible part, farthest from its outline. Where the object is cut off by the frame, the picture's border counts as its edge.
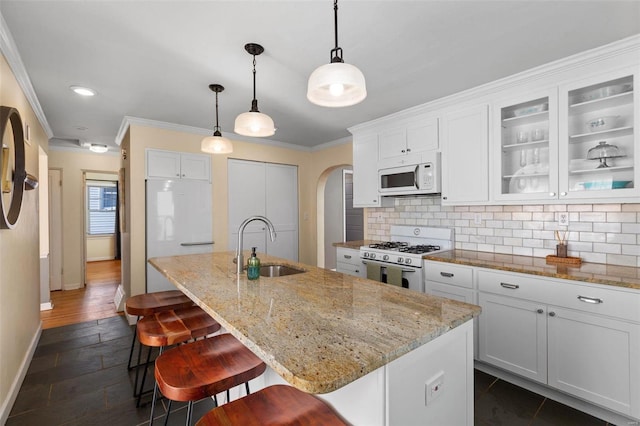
(603, 233)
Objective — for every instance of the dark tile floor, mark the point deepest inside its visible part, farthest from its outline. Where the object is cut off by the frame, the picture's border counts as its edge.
(79, 376)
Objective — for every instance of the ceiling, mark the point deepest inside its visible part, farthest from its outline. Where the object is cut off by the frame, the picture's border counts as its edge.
(155, 59)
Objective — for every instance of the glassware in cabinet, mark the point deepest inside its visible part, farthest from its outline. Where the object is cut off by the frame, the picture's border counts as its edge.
(524, 147)
(600, 135)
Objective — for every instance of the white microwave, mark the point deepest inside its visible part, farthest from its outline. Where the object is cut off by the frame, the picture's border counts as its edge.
(423, 178)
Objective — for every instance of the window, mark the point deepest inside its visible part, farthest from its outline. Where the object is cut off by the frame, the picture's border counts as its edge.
(102, 199)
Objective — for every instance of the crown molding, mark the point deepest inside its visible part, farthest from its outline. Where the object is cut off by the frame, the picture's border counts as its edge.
(83, 150)
(10, 51)
(128, 121)
(625, 46)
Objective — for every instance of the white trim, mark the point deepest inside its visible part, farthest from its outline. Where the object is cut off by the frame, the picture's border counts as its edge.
(127, 121)
(100, 258)
(598, 54)
(7, 404)
(119, 298)
(80, 150)
(337, 142)
(73, 286)
(47, 306)
(10, 51)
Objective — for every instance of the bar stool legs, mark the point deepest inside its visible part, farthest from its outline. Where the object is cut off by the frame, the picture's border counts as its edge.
(204, 369)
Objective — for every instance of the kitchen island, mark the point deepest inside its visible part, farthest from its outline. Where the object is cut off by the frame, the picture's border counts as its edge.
(378, 353)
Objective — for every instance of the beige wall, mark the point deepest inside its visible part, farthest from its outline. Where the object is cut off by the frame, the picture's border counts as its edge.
(19, 261)
(73, 165)
(101, 247)
(310, 167)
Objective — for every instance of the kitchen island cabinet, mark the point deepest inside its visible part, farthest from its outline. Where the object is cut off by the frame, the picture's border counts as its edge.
(375, 352)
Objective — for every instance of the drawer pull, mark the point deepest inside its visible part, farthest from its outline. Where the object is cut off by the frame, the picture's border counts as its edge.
(590, 299)
(347, 256)
(357, 271)
(446, 274)
(510, 286)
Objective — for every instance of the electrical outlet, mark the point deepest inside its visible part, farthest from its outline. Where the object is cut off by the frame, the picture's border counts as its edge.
(563, 219)
(434, 388)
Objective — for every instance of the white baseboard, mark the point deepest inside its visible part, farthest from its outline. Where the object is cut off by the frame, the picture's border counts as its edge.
(131, 319)
(47, 306)
(118, 299)
(100, 258)
(73, 286)
(7, 404)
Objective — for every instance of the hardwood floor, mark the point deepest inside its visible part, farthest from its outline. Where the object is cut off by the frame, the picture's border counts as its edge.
(93, 302)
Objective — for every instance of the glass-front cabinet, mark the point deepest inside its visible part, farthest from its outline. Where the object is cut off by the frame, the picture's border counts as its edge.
(574, 141)
(598, 149)
(525, 133)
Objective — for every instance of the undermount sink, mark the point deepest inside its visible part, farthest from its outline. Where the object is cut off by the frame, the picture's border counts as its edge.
(278, 271)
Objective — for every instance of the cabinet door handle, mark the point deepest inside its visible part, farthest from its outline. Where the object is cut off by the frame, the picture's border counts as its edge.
(586, 299)
(552, 194)
(408, 149)
(402, 151)
(552, 314)
(564, 194)
(347, 256)
(540, 311)
(357, 271)
(510, 286)
(446, 274)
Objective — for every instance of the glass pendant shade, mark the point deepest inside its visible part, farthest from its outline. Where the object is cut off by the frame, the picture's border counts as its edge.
(254, 124)
(216, 145)
(336, 85)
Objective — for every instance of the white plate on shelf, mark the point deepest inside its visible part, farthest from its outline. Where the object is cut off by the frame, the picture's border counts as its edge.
(529, 179)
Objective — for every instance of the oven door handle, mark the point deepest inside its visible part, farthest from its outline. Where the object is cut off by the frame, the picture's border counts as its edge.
(416, 181)
(387, 264)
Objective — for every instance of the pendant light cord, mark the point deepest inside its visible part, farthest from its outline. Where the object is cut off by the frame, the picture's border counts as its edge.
(217, 128)
(336, 52)
(254, 102)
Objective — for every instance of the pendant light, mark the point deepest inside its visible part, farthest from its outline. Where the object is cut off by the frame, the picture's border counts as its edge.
(216, 144)
(254, 123)
(336, 84)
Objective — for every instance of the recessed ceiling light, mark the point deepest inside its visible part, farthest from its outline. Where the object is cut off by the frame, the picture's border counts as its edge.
(99, 148)
(83, 91)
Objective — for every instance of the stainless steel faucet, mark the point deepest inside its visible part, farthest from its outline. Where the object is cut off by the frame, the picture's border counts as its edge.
(272, 235)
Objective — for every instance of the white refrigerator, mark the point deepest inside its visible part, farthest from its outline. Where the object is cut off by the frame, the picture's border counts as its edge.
(178, 221)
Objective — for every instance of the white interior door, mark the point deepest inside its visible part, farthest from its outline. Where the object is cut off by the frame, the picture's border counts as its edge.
(282, 209)
(55, 229)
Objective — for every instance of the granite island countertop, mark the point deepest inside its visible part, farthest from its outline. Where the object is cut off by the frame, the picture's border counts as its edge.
(321, 329)
(594, 273)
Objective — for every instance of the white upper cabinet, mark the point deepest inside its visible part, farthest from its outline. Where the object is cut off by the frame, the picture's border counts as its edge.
(178, 165)
(575, 141)
(598, 137)
(403, 144)
(365, 171)
(525, 142)
(465, 168)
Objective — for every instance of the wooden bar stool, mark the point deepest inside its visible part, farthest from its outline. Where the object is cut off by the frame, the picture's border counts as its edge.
(274, 405)
(142, 305)
(205, 368)
(169, 328)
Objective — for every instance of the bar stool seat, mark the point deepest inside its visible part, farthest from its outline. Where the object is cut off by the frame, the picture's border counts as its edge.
(169, 328)
(150, 303)
(203, 369)
(274, 405)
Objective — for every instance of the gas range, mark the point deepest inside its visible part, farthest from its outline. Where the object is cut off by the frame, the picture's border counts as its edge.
(408, 244)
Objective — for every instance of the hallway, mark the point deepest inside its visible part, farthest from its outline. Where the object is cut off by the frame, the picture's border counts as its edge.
(93, 302)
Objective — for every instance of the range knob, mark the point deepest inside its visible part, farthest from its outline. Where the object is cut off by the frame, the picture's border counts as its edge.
(408, 261)
(372, 255)
(366, 254)
(400, 260)
(385, 257)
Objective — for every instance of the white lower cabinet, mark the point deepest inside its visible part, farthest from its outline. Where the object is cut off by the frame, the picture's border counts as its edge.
(513, 335)
(595, 358)
(578, 338)
(348, 262)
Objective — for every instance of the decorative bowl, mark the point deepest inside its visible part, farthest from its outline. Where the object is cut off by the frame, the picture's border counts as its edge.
(600, 124)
